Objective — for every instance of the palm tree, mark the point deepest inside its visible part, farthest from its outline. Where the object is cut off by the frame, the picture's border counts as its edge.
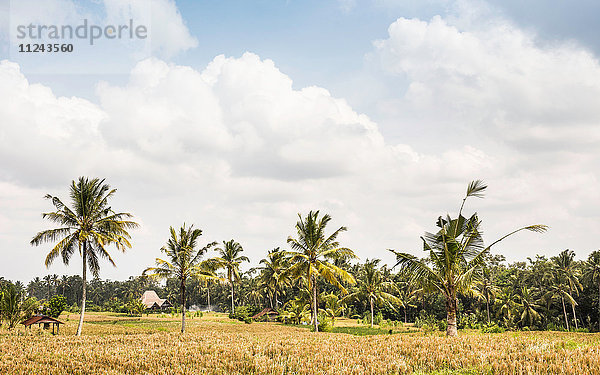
(273, 273)
(508, 301)
(530, 315)
(559, 289)
(487, 291)
(334, 306)
(456, 256)
(564, 264)
(592, 274)
(184, 261)
(296, 309)
(230, 259)
(14, 307)
(311, 253)
(406, 294)
(87, 227)
(374, 289)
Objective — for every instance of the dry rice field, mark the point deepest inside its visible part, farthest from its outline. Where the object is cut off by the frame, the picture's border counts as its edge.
(216, 345)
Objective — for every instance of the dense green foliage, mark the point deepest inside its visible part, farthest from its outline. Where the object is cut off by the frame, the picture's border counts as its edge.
(56, 305)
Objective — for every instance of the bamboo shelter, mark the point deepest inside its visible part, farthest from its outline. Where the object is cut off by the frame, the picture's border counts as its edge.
(45, 320)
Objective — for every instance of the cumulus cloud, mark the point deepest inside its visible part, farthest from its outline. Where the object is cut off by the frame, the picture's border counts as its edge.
(232, 147)
(493, 75)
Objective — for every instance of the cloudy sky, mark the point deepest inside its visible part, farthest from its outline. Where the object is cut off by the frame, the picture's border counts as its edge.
(236, 116)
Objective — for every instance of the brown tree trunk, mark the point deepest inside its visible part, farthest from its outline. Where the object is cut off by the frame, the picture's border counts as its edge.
(451, 307)
(315, 306)
(182, 305)
(83, 292)
(574, 316)
(405, 321)
(208, 296)
(232, 303)
(371, 302)
(487, 306)
(565, 312)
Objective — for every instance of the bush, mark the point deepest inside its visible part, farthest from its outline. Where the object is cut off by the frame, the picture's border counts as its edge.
(242, 313)
(56, 306)
(324, 324)
(492, 328)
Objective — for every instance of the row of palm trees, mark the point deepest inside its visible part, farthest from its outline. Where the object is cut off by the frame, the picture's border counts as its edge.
(555, 280)
(455, 263)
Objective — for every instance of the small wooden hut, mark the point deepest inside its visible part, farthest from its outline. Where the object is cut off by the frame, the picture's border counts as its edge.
(267, 314)
(45, 320)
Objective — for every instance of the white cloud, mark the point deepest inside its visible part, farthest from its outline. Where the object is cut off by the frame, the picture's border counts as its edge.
(233, 148)
(494, 76)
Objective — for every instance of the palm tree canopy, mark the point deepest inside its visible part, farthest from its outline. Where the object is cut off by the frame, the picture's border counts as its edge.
(372, 287)
(230, 259)
(183, 259)
(456, 252)
(89, 221)
(312, 251)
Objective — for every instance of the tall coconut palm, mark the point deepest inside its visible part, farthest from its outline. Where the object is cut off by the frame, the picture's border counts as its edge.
(87, 227)
(230, 259)
(592, 274)
(273, 273)
(311, 255)
(183, 262)
(374, 289)
(564, 265)
(456, 256)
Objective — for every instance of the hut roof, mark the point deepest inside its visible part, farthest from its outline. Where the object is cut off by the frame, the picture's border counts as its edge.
(267, 311)
(150, 299)
(39, 319)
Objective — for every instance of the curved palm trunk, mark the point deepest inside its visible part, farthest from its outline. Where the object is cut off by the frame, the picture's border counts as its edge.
(573, 308)
(451, 308)
(574, 316)
(232, 304)
(487, 306)
(565, 312)
(371, 302)
(315, 310)
(83, 292)
(208, 296)
(182, 305)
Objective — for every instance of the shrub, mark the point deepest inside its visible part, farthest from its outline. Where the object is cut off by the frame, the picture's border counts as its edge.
(56, 306)
(492, 328)
(324, 324)
(242, 313)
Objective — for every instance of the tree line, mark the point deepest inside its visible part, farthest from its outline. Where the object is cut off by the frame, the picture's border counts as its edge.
(458, 284)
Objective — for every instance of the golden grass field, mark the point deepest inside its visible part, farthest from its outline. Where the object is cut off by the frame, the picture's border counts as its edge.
(214, 344)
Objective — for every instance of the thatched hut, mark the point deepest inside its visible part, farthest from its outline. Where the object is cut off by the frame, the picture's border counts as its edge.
(267, 314)
(153, 302)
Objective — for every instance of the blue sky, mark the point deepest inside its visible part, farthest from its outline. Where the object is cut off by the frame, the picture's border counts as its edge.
(377, 112)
